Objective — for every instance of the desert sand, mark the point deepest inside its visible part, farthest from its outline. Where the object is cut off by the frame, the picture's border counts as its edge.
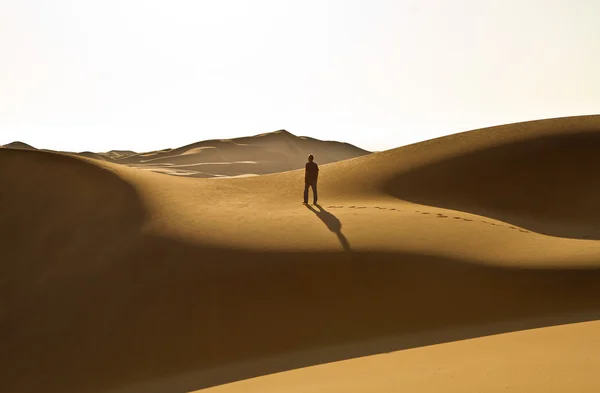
(464, 263)
(271, 152)
(261, 154)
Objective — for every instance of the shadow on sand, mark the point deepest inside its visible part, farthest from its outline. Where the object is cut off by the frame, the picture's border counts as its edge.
(543, 184)
(333, 224)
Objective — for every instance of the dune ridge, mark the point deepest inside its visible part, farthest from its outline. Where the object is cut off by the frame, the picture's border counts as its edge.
(270, 152)
(117, 278)
(18, 145)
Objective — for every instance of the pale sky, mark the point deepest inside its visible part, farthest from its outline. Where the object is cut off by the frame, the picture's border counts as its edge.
(147, 74)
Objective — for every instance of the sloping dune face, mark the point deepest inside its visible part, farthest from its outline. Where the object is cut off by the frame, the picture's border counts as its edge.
(261, 154)
(19, 145)
(117, 279)
(538, 175)
(511, 362)
(95, 156)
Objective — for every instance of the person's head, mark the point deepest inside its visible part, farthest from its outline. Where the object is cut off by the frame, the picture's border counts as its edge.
(311, 157)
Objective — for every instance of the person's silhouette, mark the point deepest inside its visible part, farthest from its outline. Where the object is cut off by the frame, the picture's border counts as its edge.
(311, 175)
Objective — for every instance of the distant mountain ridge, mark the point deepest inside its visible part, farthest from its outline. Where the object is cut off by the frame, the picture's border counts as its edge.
(264, 153)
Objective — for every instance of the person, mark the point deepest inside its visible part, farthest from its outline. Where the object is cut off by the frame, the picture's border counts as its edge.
(311, 174)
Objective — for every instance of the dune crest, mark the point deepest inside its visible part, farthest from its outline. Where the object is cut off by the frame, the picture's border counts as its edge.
(19, 145)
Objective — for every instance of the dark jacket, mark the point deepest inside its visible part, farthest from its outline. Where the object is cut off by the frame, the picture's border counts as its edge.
(311, 172)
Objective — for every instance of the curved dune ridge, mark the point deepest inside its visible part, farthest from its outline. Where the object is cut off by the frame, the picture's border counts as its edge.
(117, 279)
(18, 145)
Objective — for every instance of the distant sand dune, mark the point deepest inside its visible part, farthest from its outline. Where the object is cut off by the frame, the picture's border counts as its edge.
(271, 152)
(119, 279)
(19, 145)
(278, 151)
(95, 156)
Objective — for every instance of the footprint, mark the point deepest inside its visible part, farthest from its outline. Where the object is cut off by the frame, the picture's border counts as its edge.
(466, 219)
(361, 207)
(425, 213)
(456, 218)
(441, 216)
(393, 208)
(351, 207)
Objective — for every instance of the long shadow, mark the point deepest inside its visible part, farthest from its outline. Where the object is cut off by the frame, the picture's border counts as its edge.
(92, 302)
(546, 185)
(332, 223)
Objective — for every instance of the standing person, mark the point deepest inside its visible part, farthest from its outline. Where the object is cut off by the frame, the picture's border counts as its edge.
(311, 174)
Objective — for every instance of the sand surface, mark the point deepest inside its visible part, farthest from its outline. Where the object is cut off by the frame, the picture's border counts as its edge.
(475, 253)
(553, 359)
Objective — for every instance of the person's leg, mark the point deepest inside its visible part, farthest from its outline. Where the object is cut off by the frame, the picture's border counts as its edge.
(306, 185)
(314, 188)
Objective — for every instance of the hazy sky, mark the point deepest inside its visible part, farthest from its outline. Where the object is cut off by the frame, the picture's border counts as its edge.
(145, 74)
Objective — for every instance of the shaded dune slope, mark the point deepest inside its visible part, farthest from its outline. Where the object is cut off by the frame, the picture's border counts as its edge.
(539, 175)
(96, 296)
(271, 152)
(544, 182)
(19, 145)
(265, 153)
(95, 156)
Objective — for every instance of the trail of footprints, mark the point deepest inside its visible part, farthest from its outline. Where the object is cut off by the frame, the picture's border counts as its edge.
(438, 215)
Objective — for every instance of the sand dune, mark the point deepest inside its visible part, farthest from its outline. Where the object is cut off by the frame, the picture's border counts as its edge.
(119, 154)
(19, 145)
(95, 156)
(271, 152)
(119, 279)
(511, 362)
